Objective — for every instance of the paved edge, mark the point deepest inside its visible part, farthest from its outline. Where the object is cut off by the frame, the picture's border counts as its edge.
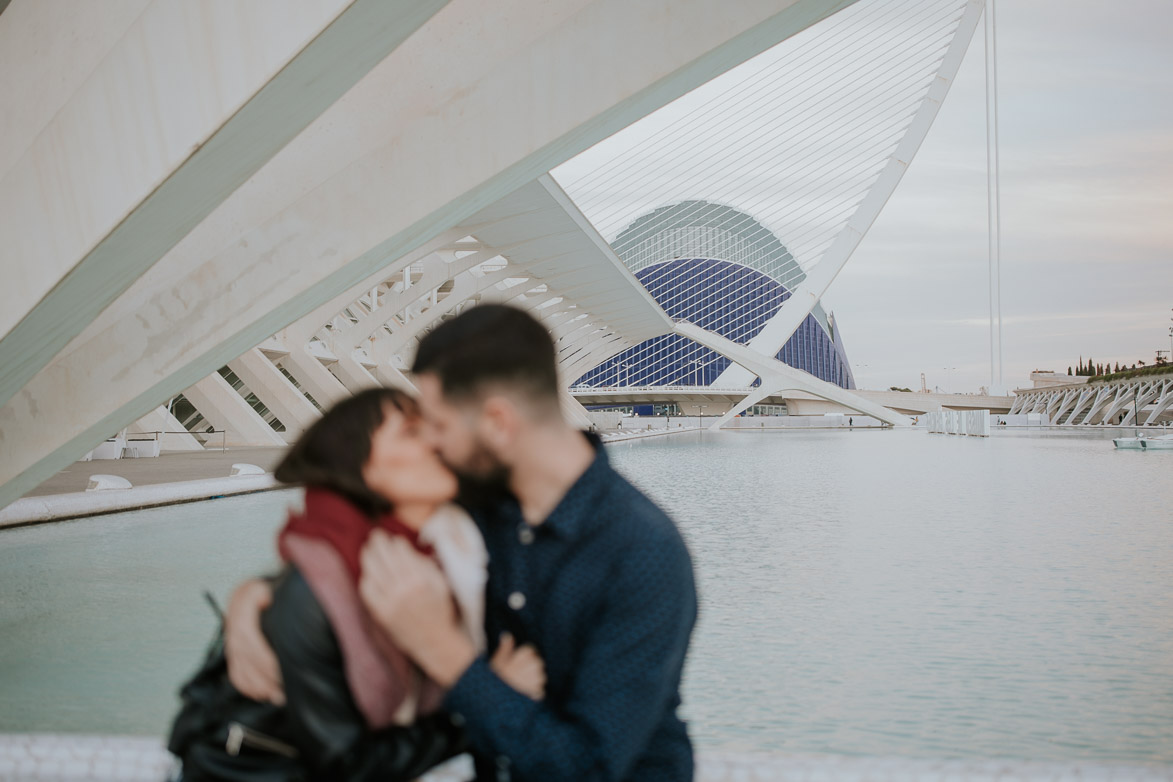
(59, 507)
(641, 434)
(49, 757)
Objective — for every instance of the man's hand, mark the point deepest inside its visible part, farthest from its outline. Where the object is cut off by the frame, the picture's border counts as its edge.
(520, 667)
(252, 667)
(408, 597)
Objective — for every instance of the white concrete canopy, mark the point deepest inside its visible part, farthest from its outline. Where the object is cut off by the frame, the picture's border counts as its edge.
(537, 229)
(462, 113)
(548, 237)
(187, 103)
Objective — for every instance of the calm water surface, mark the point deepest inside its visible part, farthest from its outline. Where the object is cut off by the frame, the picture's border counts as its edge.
(862, 592)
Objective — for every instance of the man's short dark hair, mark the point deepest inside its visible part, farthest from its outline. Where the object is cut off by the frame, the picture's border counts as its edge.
(491, 345)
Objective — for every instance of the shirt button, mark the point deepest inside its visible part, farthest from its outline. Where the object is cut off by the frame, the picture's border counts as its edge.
(525, 534)
(456, 718)
(517, 601)
(502, 762)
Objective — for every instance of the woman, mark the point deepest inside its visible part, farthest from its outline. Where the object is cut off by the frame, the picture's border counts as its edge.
(355, 708)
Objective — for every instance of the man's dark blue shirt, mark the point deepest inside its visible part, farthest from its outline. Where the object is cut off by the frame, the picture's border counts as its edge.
(604, 589)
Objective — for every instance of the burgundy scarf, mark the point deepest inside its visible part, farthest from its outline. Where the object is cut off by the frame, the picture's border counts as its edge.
(325, 543)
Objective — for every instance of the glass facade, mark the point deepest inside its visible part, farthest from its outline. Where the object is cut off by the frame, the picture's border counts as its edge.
(729, 299)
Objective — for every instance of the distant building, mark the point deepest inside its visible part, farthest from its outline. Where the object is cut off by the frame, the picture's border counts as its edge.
(721, 269)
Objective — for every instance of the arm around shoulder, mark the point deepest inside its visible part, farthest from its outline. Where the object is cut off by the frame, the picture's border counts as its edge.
(329, 729)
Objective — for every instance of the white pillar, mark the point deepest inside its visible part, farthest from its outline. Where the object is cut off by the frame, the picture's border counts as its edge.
(321, 384)
(265, 380)
(225, 409)
(353, 375)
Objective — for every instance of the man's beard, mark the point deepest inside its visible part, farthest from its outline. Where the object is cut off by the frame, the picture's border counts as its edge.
(482, 482)
(479, 491)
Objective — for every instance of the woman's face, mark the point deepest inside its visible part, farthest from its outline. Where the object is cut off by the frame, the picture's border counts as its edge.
(402, 467)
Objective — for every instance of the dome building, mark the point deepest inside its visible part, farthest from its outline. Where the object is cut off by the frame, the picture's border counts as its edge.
(722, 270)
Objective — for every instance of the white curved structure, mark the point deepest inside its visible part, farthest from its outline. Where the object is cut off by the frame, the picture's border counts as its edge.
(376, 166)
(818, 278)
(208, 249)
(1141, 401)
(779, 167)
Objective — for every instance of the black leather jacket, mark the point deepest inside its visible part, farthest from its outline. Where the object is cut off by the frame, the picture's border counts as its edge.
(320, 719)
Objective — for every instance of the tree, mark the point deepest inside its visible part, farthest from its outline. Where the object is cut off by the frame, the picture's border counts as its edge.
(1069, 371)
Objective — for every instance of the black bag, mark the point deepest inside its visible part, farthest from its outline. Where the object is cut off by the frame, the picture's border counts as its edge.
(221, 735)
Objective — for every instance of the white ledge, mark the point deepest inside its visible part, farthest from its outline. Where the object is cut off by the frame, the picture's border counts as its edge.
(56, 507)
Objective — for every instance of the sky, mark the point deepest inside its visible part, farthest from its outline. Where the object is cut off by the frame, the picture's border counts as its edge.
(1086, 145)
(1086, 142)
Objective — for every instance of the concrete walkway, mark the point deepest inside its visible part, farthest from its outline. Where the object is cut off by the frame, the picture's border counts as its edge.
(171, 478)
(167, 468)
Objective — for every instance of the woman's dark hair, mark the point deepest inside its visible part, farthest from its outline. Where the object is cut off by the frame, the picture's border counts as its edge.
(331, 453)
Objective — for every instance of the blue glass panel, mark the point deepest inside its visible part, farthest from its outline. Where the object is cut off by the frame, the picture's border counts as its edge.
(729, 299)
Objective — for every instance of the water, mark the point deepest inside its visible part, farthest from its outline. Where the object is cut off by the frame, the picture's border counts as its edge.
(891, 593)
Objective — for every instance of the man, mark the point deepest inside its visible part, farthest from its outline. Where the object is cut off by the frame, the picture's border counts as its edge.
(582, 567)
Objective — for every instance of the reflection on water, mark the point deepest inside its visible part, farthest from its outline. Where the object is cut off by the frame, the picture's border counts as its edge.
(913, 594)
(862, 592)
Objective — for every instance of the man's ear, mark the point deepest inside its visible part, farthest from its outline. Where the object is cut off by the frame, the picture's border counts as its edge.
(500, 422)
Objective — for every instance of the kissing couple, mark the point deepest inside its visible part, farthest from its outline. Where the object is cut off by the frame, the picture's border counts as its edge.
(469, 574)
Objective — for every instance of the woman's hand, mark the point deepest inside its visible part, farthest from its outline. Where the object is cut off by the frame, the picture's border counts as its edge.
(520, 667)
(252, 667)
(409, 599)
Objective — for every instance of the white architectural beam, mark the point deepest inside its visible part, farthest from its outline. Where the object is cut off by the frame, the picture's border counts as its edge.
(778, 330)
(573, 411)
(1142, 394)
(1083, 397)
(777, 376)
(319, 382)
(353, 375)
(225, 409)
(1162, 403)
(279, 395)
(188, 103)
